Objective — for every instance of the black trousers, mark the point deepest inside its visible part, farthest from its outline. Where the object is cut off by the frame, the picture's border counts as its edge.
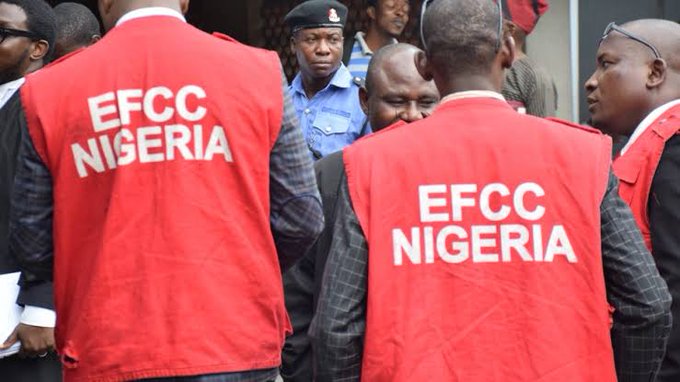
(15, 369)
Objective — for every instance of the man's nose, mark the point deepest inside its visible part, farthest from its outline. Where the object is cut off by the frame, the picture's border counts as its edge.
(591, 83)
(411, 112)
(323, 48)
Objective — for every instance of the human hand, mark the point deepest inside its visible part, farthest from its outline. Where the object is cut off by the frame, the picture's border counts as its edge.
(36, 341)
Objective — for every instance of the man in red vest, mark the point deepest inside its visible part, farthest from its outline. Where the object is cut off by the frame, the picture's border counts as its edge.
(164, 187)
(480, 244)
(635, 92)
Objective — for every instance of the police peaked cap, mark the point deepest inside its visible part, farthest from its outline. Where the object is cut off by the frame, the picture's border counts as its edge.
(317, 14)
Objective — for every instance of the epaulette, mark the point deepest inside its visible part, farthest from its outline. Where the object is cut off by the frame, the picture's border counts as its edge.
(224, 37)
(358, 81)
(575, 125)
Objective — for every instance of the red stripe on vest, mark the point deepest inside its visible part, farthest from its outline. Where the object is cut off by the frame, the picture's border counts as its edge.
(636, 168)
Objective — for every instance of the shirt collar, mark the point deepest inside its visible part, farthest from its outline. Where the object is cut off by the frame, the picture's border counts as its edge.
(150, 11)
(647, 122)
(341, 79)
(471, 94)
(365, 50)
(8, 88)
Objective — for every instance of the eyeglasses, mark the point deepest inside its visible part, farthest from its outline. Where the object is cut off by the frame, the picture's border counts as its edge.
(612, 27)
(500, 23)
(7, 32)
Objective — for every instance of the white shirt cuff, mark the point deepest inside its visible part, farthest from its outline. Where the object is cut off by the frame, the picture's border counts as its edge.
(34, 316)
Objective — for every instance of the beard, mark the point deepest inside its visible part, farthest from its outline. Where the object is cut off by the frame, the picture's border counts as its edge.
(14, 71)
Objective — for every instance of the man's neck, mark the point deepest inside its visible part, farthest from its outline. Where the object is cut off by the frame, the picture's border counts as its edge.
(376, 39)
(132, 5)
(466, 83)
(313, 85)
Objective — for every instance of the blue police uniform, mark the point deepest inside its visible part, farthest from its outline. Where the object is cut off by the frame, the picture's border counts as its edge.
(333, 118)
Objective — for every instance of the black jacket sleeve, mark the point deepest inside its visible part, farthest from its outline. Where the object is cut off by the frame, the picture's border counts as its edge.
(664, 220)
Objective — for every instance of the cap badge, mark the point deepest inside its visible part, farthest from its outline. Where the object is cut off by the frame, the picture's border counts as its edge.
(333, 16)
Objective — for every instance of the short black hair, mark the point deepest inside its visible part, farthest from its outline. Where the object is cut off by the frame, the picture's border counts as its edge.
(371, 3)
(462, 35)
(40, 19)
(76, 24)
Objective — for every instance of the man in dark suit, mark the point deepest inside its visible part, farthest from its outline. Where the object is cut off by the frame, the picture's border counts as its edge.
(635, 93)
(26, 39)
(395, 94)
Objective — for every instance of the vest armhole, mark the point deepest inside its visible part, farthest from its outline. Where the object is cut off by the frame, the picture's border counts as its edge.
(604, 165)
(277, 122)
(33, 125)
(351, 176)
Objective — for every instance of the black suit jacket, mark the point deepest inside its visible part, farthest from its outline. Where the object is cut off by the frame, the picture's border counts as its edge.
(664, 221)
(302, 282)
(39, 295)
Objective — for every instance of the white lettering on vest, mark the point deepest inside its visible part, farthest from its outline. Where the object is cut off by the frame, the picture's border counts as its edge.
(515, 233)
(122, 110)
(98, 112)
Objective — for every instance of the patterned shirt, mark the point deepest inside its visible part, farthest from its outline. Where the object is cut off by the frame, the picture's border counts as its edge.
(531, 88)
(642, 319)
(361, 56)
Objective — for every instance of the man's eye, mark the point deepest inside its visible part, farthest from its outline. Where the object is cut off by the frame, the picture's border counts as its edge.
(427, 102)
(310, 40)
(605, 64)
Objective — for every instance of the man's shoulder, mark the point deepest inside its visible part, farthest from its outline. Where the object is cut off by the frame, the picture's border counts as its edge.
(235, 44)
(564, 123)
(329, 170)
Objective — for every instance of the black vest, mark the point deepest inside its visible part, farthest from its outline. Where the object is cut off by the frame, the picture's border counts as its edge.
(10, 139)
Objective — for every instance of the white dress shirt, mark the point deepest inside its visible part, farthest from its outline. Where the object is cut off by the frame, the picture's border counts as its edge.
(150, 11)
(647, 122)
(8, 89)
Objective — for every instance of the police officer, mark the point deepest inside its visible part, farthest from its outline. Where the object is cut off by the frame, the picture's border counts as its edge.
(324, 92)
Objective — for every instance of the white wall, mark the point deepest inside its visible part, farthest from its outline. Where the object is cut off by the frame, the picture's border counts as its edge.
(549, 46)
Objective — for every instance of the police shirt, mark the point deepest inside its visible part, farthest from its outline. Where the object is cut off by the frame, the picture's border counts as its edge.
(333, 118)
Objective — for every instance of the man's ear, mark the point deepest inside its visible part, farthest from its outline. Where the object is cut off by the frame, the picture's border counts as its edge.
(293, 45)
(105, 7)
(184, 6)
(508, 51)
(363, 99)
(657, 73)
(423, 65)
(39, 50)
(370, 12)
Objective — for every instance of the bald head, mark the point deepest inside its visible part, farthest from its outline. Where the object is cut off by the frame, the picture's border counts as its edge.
(387, 61)
(394, 89)
(630, 81)
(664, 35)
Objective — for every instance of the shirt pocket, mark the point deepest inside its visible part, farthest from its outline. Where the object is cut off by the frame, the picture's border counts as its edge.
(330, 121)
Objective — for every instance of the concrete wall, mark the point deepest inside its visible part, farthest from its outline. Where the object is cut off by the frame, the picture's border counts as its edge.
(549, 46)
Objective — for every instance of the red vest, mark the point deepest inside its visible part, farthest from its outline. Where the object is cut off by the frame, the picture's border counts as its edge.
(483, 229)
(635, 169)
(158, 141)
